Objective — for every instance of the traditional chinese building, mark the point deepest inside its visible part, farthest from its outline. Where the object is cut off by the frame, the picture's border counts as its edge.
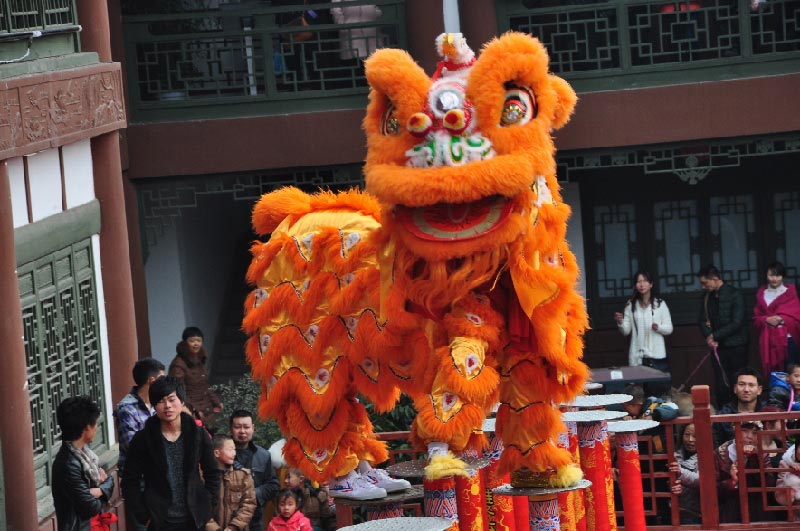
(682, 152)
(68, 323)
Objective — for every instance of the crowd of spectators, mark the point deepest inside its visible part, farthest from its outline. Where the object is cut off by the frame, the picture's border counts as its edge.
(768, 461)
(175, 478)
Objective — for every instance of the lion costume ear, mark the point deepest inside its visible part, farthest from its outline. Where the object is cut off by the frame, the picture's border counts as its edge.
(394, 77)
(566, 102)
(398, 90)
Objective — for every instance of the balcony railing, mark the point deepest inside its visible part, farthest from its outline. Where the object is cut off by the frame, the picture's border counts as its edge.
(19, 16)
(31, 29)
(627, 43)
(253, 58)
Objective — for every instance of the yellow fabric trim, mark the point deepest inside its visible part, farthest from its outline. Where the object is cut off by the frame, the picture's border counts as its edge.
(386, 268)
(468, 355)
(532, 295)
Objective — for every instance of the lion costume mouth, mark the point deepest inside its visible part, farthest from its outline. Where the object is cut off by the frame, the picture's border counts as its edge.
(454, 221)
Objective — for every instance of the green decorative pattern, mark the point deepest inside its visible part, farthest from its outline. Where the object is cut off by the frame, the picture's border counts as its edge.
(690, 162)
(56, 20)
(62, 349)
(28, 15)
(620, 44)
(251, 55)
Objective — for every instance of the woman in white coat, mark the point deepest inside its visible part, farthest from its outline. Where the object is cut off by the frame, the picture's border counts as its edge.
(646, 319)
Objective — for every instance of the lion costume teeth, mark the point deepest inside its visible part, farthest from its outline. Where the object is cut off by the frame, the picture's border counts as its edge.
(450, 279)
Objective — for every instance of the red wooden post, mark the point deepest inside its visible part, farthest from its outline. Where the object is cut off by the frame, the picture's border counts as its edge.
(705, 456)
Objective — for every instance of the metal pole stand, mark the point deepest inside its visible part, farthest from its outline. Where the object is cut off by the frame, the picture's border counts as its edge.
(542, 503)
(595, 456)
(440, 495)
(630, 469)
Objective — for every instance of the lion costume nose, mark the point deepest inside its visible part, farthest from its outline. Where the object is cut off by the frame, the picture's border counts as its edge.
(419, 124)
(456, 120)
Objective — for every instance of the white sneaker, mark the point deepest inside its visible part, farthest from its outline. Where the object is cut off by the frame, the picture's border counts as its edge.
(381, 478)
(355, 487)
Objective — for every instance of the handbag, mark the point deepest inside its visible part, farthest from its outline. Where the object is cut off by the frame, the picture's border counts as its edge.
(103, 521)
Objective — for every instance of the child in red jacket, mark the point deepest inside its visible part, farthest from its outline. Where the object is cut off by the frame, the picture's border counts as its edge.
(289, 518)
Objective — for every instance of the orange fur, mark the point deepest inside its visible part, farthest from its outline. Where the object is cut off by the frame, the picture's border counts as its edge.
(395, 310)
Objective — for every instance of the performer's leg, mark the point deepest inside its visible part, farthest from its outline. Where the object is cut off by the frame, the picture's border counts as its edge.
(460, 383)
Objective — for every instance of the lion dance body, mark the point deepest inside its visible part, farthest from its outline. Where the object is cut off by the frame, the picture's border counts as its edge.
(450, 279)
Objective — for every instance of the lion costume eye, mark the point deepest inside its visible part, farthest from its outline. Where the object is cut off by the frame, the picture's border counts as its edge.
(390, 123)
(519, 107)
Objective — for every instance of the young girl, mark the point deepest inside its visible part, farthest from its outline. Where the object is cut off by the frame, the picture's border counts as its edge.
(289, 517)
(791, 479)
(314, 502)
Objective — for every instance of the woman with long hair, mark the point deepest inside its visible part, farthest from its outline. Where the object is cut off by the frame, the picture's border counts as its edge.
(647, 320)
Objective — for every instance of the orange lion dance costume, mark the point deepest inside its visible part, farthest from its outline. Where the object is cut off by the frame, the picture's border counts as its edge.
(450, 279)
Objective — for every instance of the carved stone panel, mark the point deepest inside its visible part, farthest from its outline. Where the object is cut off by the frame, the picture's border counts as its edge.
(55, 108)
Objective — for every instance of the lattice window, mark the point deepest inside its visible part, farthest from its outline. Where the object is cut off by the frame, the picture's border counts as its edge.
(677, 245)
(617, 38)
(28, 15)
(775, 27)
(616, 245)
(733, 239)
(62, 348)
(786, 212)
(585, 38)
(251, 51)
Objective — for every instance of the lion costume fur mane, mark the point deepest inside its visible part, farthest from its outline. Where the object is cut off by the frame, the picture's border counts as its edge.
(449, 279)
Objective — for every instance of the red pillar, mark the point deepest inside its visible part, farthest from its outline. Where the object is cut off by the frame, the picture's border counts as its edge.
(95, 30)
(114, 251)
(15, 422)
(115, 261)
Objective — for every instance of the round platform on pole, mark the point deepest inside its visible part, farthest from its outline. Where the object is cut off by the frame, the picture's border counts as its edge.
(405, 523)
(627, 426)
(416, 468)
(599, 400)
(591, 415)
(508, 490)
(412, 493)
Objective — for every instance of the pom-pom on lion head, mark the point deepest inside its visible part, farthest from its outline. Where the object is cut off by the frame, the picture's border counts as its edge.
(450, 157)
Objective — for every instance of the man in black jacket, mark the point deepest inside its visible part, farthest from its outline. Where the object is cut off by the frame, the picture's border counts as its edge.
(723, 323)
(747, 387)
(164, 456)
(257, 460)
(80, 486)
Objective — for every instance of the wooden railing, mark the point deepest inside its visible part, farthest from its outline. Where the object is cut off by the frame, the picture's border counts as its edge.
(250, 58)
(660, 502)
(618, 44)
